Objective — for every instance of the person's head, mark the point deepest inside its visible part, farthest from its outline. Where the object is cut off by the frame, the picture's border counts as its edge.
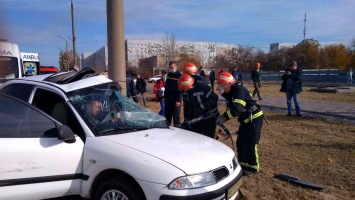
(293, 65)
(185, 82)
(138, 76)
(225, 80)
(93, 108)
(257, 65)
(190, 69)
(212, 68)
(164, 73)
(172, 66)
(235, 68)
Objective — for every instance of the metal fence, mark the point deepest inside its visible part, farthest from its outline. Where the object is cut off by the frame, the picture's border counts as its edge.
(313, 75)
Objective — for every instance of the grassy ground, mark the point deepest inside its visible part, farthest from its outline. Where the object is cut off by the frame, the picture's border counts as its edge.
(316, 150)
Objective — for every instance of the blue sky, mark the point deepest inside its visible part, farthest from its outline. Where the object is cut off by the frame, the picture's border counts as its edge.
(35, 25)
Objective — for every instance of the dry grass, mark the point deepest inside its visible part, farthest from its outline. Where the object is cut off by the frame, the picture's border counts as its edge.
(316, 150)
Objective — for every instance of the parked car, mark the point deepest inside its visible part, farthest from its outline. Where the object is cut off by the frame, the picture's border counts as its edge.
(155, 78)
(74, 133)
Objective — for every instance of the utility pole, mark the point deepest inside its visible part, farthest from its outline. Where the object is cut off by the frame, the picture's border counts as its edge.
(115, 42)
(73, 32)
(304, 29)
(66, 51)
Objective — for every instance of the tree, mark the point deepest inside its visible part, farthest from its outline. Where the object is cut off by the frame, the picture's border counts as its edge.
(334, 56)
(306, 53)
(66, 61)
(169, 47)
(184, 58)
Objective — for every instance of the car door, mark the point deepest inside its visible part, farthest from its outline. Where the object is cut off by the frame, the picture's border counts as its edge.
(35, 164)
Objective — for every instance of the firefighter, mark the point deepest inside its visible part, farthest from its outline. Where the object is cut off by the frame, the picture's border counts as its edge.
(191, 69)
(200, 106)
(250, 116)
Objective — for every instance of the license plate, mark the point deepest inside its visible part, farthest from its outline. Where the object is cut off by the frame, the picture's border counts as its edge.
(234, 189)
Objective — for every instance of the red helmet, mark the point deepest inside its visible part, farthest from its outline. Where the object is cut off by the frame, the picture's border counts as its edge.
(190, 69)
(226, 78)
(185, 82)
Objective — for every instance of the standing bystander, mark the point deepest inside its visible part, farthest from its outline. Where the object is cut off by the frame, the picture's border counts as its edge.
(172, 96)
(237, 74)
(292, 81)
(159, 91)
(256, 77)
(350, 76)
(141, 87)
(212, 78)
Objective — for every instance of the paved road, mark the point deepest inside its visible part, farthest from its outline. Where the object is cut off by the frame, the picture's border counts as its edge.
(315, 108)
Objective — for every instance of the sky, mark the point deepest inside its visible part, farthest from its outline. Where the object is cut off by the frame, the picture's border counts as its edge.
(36, 25)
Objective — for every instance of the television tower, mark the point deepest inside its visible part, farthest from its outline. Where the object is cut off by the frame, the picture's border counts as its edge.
(304, 29)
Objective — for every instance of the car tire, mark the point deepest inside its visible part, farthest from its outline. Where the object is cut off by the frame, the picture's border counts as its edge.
(153, 81)
(119, 187)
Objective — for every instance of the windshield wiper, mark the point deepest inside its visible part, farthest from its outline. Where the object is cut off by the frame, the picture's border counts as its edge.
(121, 130)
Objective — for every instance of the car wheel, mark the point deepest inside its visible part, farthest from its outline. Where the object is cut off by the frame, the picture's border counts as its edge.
(153, 81)
(118, 189)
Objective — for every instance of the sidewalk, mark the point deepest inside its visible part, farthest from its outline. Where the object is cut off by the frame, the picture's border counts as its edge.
(312, 108)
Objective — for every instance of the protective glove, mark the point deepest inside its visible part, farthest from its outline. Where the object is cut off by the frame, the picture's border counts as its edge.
(162, 89)
(185, 125)
(221, 119)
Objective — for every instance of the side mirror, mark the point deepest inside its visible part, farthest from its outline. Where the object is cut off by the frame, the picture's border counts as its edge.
(66, 134)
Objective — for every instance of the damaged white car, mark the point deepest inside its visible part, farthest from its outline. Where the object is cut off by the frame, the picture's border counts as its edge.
(74, 133)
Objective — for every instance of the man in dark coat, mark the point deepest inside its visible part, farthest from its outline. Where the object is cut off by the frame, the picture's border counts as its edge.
(292, 85)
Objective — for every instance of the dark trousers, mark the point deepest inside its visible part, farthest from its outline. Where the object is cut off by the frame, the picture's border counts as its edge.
(172, 112)
(256, 89)
(247, 144)
(212, 85)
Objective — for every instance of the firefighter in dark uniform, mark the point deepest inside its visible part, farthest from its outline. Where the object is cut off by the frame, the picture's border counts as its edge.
(250, 116)
(200, 106)
(191, 69)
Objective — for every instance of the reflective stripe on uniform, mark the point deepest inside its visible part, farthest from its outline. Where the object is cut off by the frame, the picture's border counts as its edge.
(172, 78)
(208, 94)
(257, 166)
(239, 101)
(256, 115)
(229, 114)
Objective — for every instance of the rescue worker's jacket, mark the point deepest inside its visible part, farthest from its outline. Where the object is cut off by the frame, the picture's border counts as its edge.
(240, 103)
(199, 100)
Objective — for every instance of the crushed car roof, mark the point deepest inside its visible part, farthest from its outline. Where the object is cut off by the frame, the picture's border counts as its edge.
(72, 80)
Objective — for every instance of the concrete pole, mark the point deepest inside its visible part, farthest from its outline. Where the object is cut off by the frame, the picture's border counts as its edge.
(73, 33)
(115, 43)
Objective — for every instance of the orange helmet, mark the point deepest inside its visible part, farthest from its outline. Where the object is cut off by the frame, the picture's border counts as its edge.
(226, 78)
(190, 69)
(185, 82)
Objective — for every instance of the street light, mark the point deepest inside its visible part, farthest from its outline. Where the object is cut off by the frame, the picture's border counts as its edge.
(66, 51)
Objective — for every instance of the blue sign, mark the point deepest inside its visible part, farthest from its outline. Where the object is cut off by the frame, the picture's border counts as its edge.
(30, 68)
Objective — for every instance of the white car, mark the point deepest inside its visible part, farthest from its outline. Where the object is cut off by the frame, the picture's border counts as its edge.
(154, 79)
(74, 133)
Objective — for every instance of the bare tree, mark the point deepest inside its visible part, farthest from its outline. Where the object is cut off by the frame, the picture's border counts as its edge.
(170, 51)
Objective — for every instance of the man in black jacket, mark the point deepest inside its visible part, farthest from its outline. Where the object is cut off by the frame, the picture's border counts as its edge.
(292, 85)
(212, 78)
(131, 87)
(172, 96)
(141, 88)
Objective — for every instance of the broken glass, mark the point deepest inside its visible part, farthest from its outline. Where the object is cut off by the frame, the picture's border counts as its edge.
(107, 111)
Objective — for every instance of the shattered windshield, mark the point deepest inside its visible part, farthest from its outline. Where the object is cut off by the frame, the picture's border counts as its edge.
(107, 111)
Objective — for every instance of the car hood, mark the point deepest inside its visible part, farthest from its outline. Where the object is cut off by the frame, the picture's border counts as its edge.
(188, 151)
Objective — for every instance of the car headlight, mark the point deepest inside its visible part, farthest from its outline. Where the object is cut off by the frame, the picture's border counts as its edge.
(192, 181)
